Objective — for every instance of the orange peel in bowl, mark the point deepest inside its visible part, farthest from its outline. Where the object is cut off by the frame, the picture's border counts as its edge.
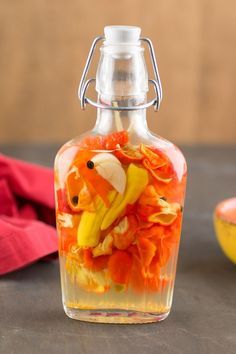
(225, 227)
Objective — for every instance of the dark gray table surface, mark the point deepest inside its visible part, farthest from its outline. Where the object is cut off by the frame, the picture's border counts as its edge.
(203, 317)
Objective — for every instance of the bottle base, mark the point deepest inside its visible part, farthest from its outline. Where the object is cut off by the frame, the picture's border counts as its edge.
(115, 316)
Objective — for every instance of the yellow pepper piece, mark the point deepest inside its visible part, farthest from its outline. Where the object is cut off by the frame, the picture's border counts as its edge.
(137, 179)
(88, 233)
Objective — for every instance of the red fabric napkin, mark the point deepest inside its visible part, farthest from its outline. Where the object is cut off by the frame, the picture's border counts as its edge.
(27, 231)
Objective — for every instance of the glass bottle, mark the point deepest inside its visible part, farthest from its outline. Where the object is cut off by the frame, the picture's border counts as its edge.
(119, 195)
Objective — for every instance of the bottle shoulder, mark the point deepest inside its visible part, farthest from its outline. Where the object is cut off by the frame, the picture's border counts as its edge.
(71, 145)
(65, 156)
(113, 141)
(93, 140)
(166, 145)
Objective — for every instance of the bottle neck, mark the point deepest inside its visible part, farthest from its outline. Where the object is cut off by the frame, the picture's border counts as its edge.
(110, 121)
(121, 81)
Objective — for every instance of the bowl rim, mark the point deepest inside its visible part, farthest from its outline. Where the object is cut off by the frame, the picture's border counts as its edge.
(220, 213)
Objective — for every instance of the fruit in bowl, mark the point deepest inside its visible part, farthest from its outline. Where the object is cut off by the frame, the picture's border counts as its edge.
(225, 227)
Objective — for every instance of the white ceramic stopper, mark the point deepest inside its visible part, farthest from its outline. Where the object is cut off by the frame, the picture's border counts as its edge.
(122, 35)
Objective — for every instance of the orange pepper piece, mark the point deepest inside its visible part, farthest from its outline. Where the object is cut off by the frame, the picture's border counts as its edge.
(94, 263)
(172, 232)
(119, 267)
(137, 281)
(144, 211)
(148, 203)
(92, 143)
(154, 160)
(128, 155)
(85, 199)
(163, 253)
(154, 233)
(116, 139)
(107, 142)
(154, 267)
(122, 240)
(149, 196)
(145, 224)
(95, 183)
(159, 176)
(146, 278)
(147, 250)
(78, 195)
(142, 280)
(162, 240)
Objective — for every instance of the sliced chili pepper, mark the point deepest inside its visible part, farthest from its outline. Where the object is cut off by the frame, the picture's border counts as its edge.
(155, 160)
(158, 165)
(168, 168)
(158, 175)
(129, 154)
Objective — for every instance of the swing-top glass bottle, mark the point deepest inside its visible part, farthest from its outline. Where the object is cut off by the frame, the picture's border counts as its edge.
(119, 195)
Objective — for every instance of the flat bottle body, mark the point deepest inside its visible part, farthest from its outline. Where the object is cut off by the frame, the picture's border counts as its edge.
(119, 207)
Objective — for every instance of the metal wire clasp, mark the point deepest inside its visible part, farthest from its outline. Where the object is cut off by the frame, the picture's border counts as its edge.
(85, 83)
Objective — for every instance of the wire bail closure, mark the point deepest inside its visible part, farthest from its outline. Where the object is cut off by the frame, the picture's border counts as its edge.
(84, 84)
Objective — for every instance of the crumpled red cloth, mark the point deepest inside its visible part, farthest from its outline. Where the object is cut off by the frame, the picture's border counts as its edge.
(27, 231)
